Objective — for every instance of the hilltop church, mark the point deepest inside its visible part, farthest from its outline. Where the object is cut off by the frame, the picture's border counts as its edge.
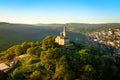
(63, 38)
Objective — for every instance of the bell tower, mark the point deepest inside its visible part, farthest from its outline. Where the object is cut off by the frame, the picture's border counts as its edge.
(65, 32)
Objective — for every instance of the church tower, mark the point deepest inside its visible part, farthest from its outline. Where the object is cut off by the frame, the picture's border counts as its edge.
(63, 38)
(65, 32)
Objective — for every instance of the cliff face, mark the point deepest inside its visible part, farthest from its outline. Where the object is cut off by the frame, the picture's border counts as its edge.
(108, 40)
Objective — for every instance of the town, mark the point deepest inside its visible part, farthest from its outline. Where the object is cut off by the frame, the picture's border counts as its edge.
(106, 40)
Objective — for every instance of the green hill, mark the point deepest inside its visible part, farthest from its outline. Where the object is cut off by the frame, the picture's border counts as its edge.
(47, 60)
(11, 34)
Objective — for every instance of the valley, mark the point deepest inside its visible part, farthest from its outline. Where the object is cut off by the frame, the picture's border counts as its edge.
(11, 34)
(29, 52)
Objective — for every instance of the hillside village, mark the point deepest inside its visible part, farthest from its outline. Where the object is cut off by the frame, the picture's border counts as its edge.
(107, 40)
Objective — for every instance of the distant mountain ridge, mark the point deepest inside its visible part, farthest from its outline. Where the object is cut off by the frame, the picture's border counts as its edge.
(84, 27)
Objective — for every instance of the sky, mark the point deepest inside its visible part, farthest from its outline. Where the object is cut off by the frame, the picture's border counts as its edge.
(60, 11)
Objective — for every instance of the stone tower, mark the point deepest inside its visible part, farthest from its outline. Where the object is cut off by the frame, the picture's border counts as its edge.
(63, 38)
(65, 32)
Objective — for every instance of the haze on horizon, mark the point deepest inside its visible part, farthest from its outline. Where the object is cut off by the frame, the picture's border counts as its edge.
(60, 11)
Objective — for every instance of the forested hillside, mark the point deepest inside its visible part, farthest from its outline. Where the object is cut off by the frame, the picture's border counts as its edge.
(11, 34)
(84, 28)
(47, 60)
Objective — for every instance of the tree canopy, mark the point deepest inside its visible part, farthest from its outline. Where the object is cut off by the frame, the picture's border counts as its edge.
(47, 60)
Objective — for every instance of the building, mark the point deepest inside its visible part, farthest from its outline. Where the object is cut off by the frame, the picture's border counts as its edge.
(63, 38)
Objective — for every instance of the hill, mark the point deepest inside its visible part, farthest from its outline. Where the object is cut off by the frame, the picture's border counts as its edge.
(83, 27)
(47, 60)
(11, 34)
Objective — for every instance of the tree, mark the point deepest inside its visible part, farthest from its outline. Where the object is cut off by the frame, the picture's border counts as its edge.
(33, 60)
(105, 68)
(89, 72)
(3, 75)
(36, 75)
(31, 51)
(32, 44)
(34, 51)
(38, 51)
(85, 56)
(9, 56)
(25, 46)
(49, 58)
(48, 42)
(38, 43)
(63, 71)
(18, 75)
(19, 50)
(40, 75)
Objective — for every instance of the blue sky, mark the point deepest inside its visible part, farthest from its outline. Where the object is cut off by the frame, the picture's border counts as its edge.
(60, 11)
